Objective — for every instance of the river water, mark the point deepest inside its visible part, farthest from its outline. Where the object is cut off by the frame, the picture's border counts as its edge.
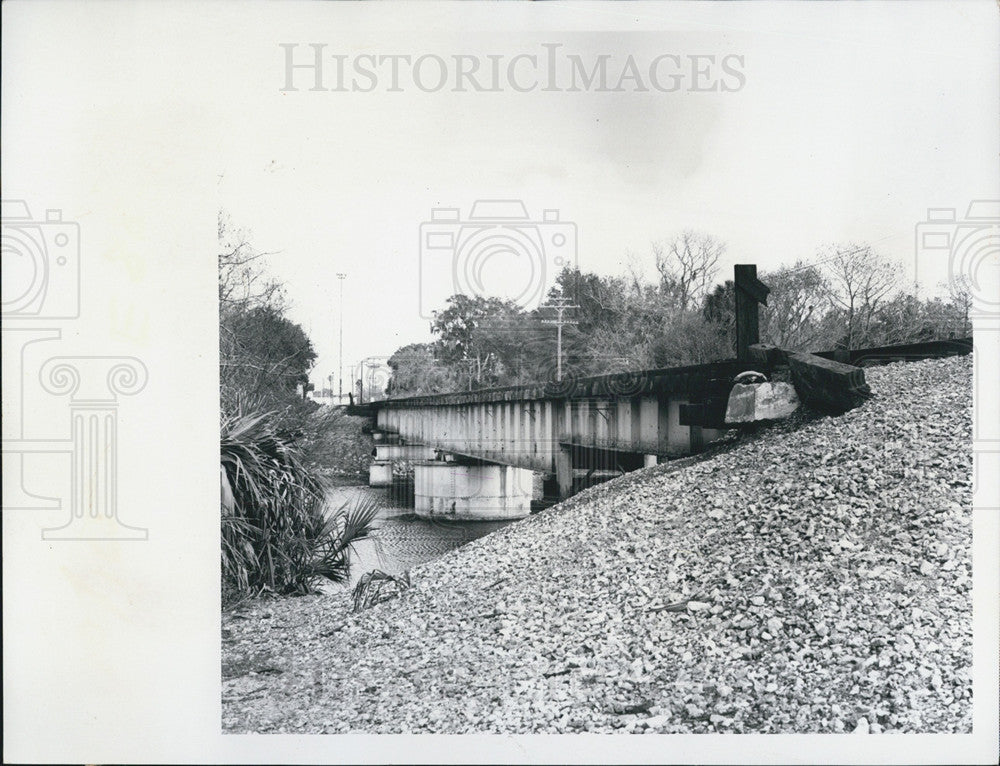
(401, 540)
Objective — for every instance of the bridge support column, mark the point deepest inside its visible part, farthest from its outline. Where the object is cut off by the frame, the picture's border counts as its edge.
(564, 472)
(697, 439)
(478, 492)
(388, 455)
(380, 473)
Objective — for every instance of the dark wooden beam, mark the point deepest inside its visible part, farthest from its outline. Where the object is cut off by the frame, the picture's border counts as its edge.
(905, 352)
(750, 292)
(768, 356)
(827, 385)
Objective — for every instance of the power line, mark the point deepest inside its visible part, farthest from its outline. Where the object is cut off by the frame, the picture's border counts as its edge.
(836, 255)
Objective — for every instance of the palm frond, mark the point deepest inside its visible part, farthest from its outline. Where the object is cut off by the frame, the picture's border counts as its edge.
(275, 534)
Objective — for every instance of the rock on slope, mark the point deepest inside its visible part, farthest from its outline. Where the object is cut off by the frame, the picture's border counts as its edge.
(814, 577)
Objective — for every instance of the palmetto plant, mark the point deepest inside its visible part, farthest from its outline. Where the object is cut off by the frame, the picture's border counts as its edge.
(276, 534)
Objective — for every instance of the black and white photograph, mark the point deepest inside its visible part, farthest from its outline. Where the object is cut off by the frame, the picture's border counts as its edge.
(601, 382)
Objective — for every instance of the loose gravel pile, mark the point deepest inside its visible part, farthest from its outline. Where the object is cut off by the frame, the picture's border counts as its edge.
(812, 577)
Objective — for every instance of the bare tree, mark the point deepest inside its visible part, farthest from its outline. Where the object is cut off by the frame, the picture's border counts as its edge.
(860, 280)
(243, 282)
(688, 264)
(796, 308)
(960, 291)
(261, 352)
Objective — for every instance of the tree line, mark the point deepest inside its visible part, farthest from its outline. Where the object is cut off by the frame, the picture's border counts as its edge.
(849, 296)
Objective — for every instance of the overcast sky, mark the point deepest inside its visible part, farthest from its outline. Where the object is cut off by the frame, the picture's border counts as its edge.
(846, 126)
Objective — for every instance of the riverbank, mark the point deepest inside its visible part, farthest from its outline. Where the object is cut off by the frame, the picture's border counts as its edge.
(401, 540)
(815, 577)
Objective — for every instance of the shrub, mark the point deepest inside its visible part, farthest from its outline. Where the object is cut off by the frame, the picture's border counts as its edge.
(277, 535)
(376, 586)
(336, 445)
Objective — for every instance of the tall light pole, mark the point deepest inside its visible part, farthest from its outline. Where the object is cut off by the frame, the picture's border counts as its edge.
(340, 363)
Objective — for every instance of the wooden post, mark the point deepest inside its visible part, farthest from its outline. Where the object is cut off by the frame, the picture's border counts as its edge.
(697, 439)
(750, 291)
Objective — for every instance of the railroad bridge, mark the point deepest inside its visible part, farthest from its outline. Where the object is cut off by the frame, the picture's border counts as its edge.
(563, 429)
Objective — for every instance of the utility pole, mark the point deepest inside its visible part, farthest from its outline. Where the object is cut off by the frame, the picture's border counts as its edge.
(560, 305)
(340, 363)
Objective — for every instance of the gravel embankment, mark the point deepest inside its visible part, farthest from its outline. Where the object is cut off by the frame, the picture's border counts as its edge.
(825, 564)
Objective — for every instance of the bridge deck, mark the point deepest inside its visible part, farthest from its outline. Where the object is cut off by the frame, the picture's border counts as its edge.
(547, 427)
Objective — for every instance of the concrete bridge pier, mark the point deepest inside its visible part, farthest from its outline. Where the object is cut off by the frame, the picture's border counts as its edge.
(380, 473)
(388, 453)
(467, 491)
(564, 472)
